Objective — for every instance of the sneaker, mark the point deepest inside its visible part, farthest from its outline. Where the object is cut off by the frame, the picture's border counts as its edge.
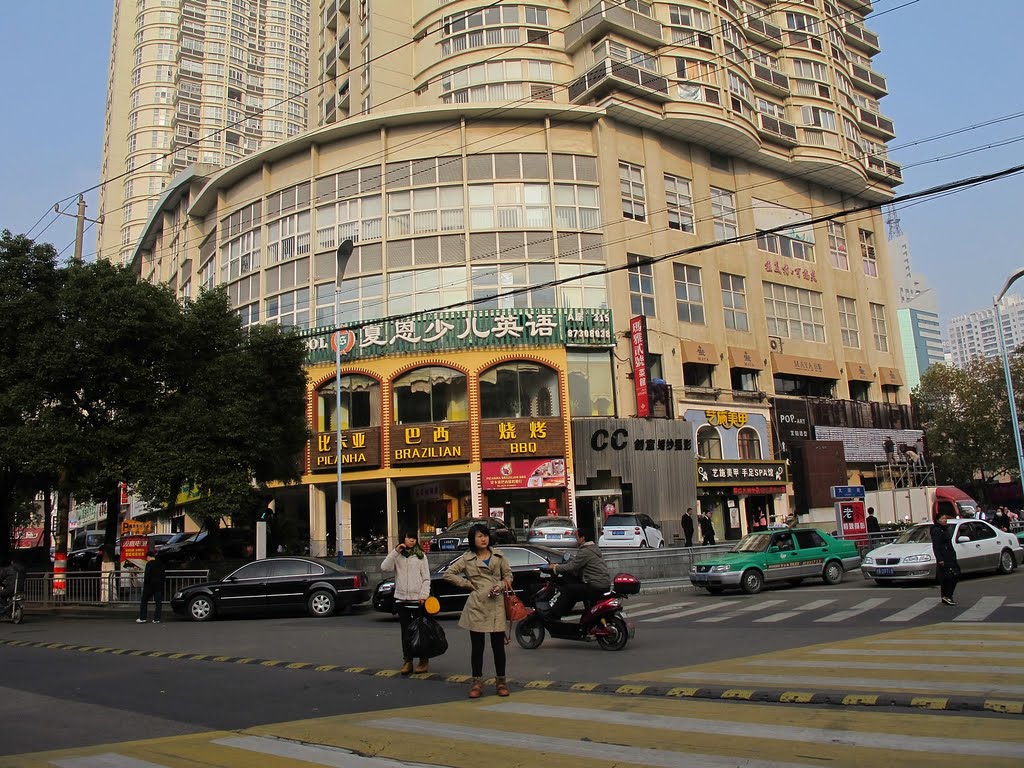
(156, 621)
(948, 601)
(140, 621)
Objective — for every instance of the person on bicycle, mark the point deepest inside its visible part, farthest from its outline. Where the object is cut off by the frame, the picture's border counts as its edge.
(592, 578)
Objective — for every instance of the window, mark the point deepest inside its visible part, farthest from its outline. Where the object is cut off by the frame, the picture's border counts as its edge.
(878, 327)
(783, 245)
(518, 390)
(689, 299)
(804, 386)
(430, 394)
(502, 287)
(679, 203)
(631, 186)
(360, 404)
(698, 375)
(809, 539)
(848, 322)
(689, 17)
(577, 207)
(811, 69)
(632, 56)
(837, 245)
(749, 444)
(743, 379)
(709, 443)
(641, 286)
(822, 118)
(734, 301)
(241, 255)
(794, 313)
(425, 210)
(591, 391)
(425, 289)
(867, 252)
(802, 22)
(509, 206)
(860, 390)
(723, 211)
(289, 309)
(591, 291)
(288, 237)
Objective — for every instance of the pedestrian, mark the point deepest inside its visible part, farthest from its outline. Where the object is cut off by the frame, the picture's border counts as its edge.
(1001, 520)
(874, 529)
(486, 574)
(153, 580)
(707, 529)
(890, 450)
(412, 588)
(687, 522)
(947, 568)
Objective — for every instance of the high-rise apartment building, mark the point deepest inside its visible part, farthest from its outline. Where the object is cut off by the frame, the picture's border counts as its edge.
(194, 81)
(974, 334)
(532, 192)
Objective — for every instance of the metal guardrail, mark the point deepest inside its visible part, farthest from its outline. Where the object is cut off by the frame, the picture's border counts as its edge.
(99, 588)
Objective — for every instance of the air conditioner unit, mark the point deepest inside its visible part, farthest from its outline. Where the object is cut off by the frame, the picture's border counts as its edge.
(775, 343)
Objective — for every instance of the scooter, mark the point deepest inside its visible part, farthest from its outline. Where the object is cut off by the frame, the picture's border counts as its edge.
(10, 608)
(604, 620)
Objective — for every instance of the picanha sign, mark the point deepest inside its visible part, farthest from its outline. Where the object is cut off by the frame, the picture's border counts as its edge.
(360, 449)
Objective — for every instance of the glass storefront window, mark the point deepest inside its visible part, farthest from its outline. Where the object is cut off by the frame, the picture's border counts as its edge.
(709, 443)
(517, 390)
(360, 404)
(591, 392)
(749, 443)
(430, 394)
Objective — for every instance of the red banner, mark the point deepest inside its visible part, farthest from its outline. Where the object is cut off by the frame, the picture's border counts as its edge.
(134, 547)
(850, 517)
(523, 473)
(638, 346)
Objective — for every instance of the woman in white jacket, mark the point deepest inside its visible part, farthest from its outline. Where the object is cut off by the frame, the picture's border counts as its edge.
(412, 587)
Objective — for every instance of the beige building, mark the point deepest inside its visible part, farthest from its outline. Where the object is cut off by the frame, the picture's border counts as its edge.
(533, 157)
(194, 81)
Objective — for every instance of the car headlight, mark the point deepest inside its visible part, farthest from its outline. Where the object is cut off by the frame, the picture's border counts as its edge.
(868, 560)
(177, 595)
(386, 588)
(721, 568)
(693, 569)
(918, 559)
(464, 542)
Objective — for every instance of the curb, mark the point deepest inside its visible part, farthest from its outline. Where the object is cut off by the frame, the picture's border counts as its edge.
(721, 693)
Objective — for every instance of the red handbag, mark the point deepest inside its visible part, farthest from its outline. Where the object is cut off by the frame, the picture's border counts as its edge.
(515, 610)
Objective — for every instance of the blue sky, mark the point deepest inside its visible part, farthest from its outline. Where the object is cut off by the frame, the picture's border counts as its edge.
(949, 64)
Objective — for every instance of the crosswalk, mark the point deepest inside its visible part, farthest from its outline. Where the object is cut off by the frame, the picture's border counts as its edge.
(763, 610)
(573, 729)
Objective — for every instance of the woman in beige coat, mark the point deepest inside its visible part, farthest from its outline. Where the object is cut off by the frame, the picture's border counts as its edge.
(412, 587)
(487, 575)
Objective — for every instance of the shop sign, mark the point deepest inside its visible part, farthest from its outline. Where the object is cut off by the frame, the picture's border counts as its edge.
(434, 443)
(792, 421)
(465, 329)
(497, 512)
(509, 438)
(727, 419)
(360, 449)
(638, 351)
(718, 472)
(136, 527)
(134, 547)
(522, 473)
(758, 490)
(619, 440)
(851, 521)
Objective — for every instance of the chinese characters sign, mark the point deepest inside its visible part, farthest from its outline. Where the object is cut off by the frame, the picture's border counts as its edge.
(850, 519)
(360, 449)
(434, 443)
(794, 273)
(741, 472)
(638, 352)
(522, 473)
(505, 438)
(477, 329)
(727, 419)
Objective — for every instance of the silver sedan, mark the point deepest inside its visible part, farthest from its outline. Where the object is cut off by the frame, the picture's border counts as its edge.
(557, 532)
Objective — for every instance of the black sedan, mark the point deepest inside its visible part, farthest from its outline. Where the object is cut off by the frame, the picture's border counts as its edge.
(526, 561)
(456, 536)
(316, 586)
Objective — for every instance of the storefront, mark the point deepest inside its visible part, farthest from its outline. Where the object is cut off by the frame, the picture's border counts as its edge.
(742, 495)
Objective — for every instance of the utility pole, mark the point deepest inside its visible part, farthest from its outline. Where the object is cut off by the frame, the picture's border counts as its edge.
(80, 219)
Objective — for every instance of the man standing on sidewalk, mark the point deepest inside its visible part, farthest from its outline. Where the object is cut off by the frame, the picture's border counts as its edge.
(707, 529)
(687, 522)
(152, 586)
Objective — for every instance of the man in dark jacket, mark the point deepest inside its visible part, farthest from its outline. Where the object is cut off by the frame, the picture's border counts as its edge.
(874, 529)
(592, 578)
(1001, 520)
(947, 567)
(11, 577)
(707, 530)
(152, 587)
(687, 522)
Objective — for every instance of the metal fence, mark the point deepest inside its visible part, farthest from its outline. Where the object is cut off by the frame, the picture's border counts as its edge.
(98, 588)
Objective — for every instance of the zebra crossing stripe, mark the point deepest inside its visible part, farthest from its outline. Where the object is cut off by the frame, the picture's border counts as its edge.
(762, 606)
(921, 606)
(917, 654)
(661, 609)
(690, 612)
(882, 665)
(982, 609)
(863, 607)
(811, 606)
(316, 754)
(108, 760)
(832, 683)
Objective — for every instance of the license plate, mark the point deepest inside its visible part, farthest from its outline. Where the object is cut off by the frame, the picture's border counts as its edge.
(618, 533)
(553, 536)
(447, 545)
(883, 571)
(700, 577)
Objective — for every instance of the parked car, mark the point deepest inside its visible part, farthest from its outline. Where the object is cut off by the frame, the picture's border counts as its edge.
(773, 556)
(319, 587)
(176, 538)
(456, 536)
(631, 531)
(980, 547)
(558, 532)
(526, 561)
(228, 544)
(84, 554)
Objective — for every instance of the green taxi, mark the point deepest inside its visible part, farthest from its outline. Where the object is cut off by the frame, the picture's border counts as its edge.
(784, 554)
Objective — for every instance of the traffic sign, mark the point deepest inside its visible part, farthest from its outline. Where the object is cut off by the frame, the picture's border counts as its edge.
(847, 491)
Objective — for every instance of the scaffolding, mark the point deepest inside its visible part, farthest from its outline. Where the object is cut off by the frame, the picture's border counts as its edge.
(904, 474)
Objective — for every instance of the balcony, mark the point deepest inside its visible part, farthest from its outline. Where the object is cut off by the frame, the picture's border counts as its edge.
(776, 130)
(856, 414)
(344, 94)
(604, 17)
(769, 79)
(331, 15)
(876, 124)
(763, 32)
(702, 393)
(857, 36)
(344, 45)
(608, 74)
(331, 62)
(882, 169)
(329, 108)
(869, 80)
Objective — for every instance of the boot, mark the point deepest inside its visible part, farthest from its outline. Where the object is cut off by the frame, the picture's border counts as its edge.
(421, 668)
(406, 667)
(476, 688)
(500, 686)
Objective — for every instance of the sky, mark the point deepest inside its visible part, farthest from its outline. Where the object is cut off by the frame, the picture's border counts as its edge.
(950, 65)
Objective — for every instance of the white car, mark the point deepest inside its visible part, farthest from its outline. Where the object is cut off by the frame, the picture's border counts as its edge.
(631, 531)
(980, 547)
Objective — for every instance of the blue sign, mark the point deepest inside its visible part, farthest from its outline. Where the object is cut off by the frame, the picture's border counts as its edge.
(847, 491)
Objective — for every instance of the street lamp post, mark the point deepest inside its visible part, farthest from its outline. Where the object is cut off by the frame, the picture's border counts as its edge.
(1006, 372)
(344, 251)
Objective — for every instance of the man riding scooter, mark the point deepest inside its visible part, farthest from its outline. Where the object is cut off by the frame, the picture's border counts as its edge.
(592, 577)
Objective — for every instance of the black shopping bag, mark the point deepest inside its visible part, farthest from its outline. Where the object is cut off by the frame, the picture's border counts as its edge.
(426, 638)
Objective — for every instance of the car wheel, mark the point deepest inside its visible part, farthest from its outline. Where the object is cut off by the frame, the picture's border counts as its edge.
(661, 544)
(715, 590)
(644, 545)
(200, 608)
(321, 604)
(833, 573)
(617, 637)
(752, 581)
(530, 633)
(1006, 562)
(795, 582)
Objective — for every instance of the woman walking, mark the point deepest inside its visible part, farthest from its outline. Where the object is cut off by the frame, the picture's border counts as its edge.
(412, 587)
(947, 568)
(487, 575)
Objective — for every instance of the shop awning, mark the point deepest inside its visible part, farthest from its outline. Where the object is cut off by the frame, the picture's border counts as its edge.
(742, 357)
(890, 377)
(794, 365)
(859, 372)
(699, 352)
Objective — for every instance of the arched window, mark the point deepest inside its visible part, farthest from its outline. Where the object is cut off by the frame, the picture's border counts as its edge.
(709, 444)
(360, 403)
(749, 443)
(430, 394)
(519, 390)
